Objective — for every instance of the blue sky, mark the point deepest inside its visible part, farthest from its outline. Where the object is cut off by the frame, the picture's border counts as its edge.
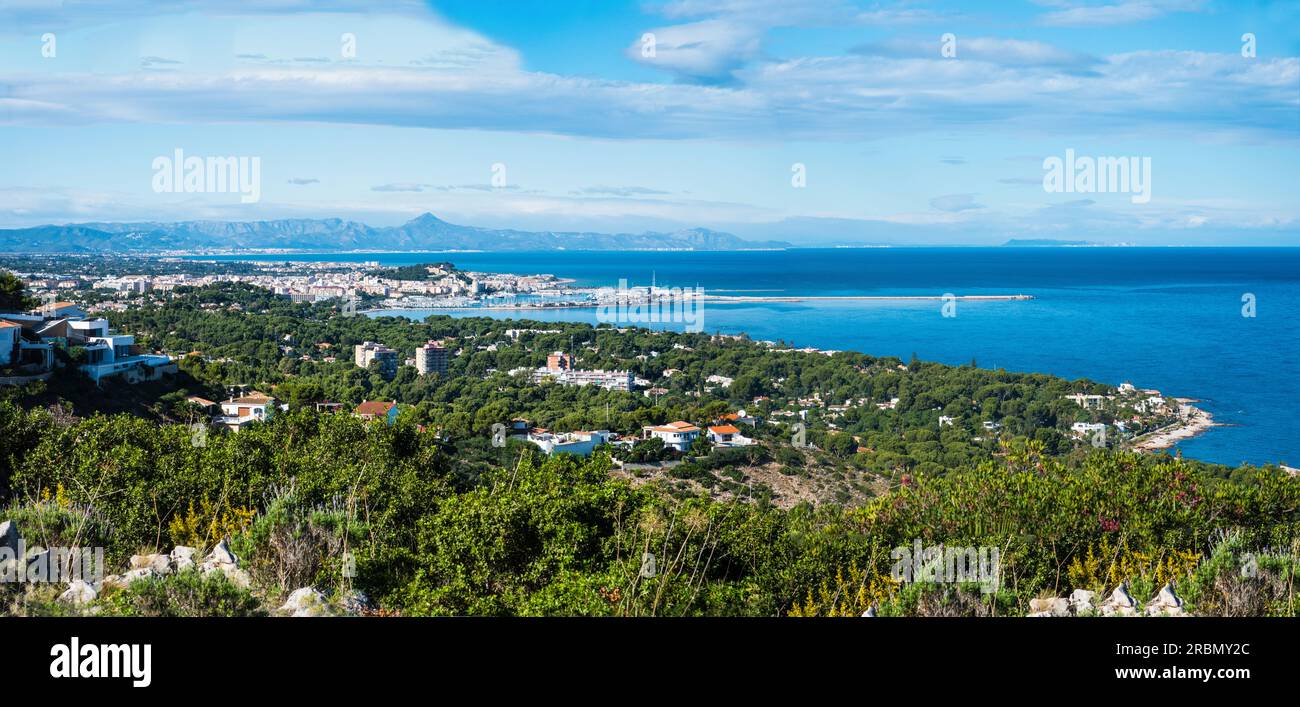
(899, 143)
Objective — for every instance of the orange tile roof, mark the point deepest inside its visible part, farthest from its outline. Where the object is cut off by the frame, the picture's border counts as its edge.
(375, 407)
(724, 430)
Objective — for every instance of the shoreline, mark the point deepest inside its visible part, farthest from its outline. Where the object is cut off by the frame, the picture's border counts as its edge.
(1195, 422)
(716, 299)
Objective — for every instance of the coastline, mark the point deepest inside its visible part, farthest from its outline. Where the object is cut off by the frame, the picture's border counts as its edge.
(716, 299)
(1195, 421)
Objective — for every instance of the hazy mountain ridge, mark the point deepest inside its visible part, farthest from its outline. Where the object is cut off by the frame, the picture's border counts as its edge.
(425, 232)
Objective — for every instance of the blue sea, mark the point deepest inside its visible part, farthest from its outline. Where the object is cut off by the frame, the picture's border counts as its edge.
(1166, 318)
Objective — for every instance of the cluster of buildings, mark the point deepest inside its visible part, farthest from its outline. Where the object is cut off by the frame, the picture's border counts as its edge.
(1147, 401)
(430, 358)
(28, 341)
(678, 436)
(238, 412)
(559, 368)
(317, 281)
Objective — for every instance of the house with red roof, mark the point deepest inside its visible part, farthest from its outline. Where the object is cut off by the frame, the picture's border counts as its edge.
(377, 410)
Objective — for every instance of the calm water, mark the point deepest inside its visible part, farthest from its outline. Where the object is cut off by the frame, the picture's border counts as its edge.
(1167, 318)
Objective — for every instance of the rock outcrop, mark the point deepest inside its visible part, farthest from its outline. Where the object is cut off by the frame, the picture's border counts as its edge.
(1166, 603)
(78, 593)
(222, 560)
(9, 535)
(307, 601)
(1081, 602)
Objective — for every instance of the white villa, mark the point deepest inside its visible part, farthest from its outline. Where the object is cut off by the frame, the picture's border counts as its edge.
(728, 436)
(675, 435)
(580, 443)
(29, 340)
(236, 413)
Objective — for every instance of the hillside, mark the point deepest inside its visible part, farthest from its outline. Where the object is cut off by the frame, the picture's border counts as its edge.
(425, 232)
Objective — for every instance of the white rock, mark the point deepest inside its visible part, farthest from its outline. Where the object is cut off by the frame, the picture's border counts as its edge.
(1081, 600)
(238, 577)
(870, 612)
(1040, 615)
(306, 601)
(184, 564)
(1166, 598)
(1121, 599)
(185, 552)
(162, 564)
(78, 593)
(221, 555)
(9, 535)
(1054, 606)
(140, 573)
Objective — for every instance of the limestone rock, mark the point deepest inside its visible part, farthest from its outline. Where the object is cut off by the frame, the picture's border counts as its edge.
(159, 563)
(140, 573)
(1081, 601)
(1039, 615)
(306, 602)
(78, 593)
(221, 555)
(1120, 603)
(9, 535)
(184, 564)
(1166, 602)
(870, 612)
(238, 577)
(1053, 606)
(184, 552)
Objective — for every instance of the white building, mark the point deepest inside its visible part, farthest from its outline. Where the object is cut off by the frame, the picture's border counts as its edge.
(728, 436)
(610, 380)
(238, 412)
(675, 435)
(1087, 402)
(9, 337)
(580, 443)
(722, 381)
(1087, 429)
(432, 358)
(367, 352)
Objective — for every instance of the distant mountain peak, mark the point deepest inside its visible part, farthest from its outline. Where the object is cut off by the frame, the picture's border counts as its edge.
(425, 232)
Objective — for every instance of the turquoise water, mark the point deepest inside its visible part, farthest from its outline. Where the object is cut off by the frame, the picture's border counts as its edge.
(1166, 318)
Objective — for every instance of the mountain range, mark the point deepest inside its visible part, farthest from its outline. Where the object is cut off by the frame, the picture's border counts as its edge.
(425, 232)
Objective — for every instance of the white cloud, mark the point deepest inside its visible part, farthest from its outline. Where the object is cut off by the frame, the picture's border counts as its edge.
(1009, 52)
(1075, 14)
(709, 50)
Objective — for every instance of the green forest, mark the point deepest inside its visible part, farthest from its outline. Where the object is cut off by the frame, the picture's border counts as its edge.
(428, 517)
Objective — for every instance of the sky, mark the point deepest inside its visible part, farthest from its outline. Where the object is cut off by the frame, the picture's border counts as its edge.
(810, 121)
